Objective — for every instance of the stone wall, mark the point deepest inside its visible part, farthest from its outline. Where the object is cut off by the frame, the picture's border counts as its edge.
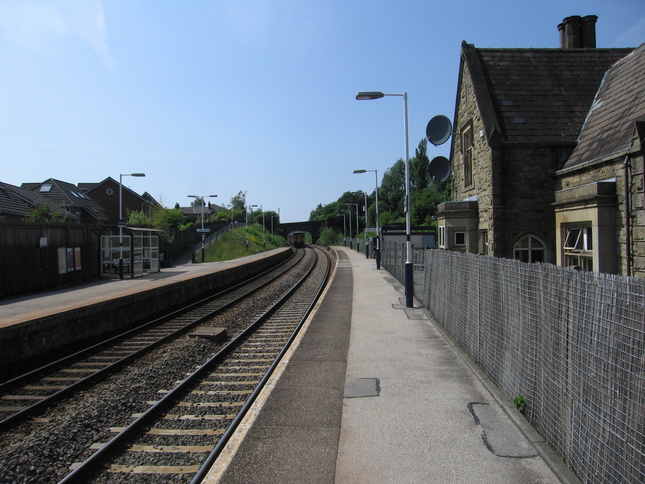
(615, 170)
(512, 183)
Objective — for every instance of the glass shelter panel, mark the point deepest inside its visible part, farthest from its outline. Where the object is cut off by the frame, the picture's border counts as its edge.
(144, 256)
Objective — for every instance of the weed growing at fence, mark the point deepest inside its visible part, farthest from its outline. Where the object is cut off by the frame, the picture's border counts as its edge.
(519, 403)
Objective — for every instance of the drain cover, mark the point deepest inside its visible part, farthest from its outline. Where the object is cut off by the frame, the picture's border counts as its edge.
(362, 387)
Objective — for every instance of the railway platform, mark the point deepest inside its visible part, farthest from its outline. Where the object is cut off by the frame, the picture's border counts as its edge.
(20, 309)
(36, 324)
(371, 392)
(374, 392)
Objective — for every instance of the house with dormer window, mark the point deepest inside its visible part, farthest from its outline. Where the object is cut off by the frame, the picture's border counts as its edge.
(599, 194)
(517, 119)
(71, 199)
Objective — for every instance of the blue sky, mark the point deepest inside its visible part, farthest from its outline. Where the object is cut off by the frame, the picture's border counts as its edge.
(221, 96)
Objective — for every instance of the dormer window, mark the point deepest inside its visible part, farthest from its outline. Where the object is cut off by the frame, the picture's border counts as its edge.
(45, 188)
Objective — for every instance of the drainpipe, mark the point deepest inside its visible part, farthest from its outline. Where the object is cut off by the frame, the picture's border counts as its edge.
(628, 241)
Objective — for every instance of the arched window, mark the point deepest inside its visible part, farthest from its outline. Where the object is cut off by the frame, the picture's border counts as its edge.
(529, 249)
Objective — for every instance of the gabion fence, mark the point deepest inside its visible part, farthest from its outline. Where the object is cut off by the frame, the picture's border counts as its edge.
(571, 343)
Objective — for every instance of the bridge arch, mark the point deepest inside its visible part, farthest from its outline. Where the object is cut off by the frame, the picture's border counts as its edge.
(314, 227)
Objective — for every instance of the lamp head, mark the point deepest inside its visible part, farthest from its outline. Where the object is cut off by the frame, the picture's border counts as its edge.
(360, 171)
(367, 95)
(137, 174)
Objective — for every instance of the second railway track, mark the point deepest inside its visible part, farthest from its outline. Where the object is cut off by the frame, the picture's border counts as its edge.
(29, 394)
(177, 444)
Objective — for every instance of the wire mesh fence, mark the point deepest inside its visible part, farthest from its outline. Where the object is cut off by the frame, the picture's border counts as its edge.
(571, 343)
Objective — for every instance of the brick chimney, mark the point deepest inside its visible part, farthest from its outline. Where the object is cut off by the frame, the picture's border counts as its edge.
(578, 32)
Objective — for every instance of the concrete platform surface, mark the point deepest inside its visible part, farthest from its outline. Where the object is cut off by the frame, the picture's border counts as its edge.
(18, 309)
(375, 392)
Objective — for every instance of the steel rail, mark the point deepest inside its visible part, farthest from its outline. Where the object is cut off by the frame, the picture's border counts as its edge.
(219, 447)
(49, 400)
(82, 473)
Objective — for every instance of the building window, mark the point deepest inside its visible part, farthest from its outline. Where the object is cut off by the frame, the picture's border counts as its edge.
(442, 236)
(578, 248)
(529, 249)
(460, 239)
(467, 152)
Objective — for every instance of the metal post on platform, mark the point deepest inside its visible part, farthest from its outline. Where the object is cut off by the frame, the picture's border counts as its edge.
(122, 222)
(377, 249)
(203, 230)
(409, 286)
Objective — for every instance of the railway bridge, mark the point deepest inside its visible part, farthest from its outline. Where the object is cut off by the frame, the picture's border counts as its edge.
(314, 227)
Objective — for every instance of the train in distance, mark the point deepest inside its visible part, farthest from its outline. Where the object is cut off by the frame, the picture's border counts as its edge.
(297, 239)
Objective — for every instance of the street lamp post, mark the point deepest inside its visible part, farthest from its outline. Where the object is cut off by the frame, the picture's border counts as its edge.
(203, 231)
(272, 217)
(367, 254)
(377, 250)
(246, 230)
(344, 226)
(122, 222)
(349, 211)
(350, 224)
(262, 212)
(409, 274)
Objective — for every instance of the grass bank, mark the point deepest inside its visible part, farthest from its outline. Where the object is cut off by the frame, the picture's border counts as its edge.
(232, 244)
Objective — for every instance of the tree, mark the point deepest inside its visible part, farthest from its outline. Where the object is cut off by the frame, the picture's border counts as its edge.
(392, 191)
(46, 212)
(167, 218)
(424, 205)
(139, 219)
(425, 196)
(419, 166)
(197, 202)
(270, 215)
(238, 207)
(238, 202)
(328, 236)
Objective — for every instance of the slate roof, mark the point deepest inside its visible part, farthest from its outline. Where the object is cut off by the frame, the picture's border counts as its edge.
(66, 195)
(16, 201)
(618, 105)
(197, 210)
(536, 95)
(86, 187)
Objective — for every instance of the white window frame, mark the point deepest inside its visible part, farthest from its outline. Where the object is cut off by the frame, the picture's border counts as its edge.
(531, 248)
(578, 247)
(581, 238)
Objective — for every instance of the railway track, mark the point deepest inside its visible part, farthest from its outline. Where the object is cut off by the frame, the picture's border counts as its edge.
(183, 433)
(178, 435)
(33, 392)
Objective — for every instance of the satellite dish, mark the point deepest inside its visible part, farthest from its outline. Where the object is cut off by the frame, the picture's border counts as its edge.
(439, 169)
(439, 130)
